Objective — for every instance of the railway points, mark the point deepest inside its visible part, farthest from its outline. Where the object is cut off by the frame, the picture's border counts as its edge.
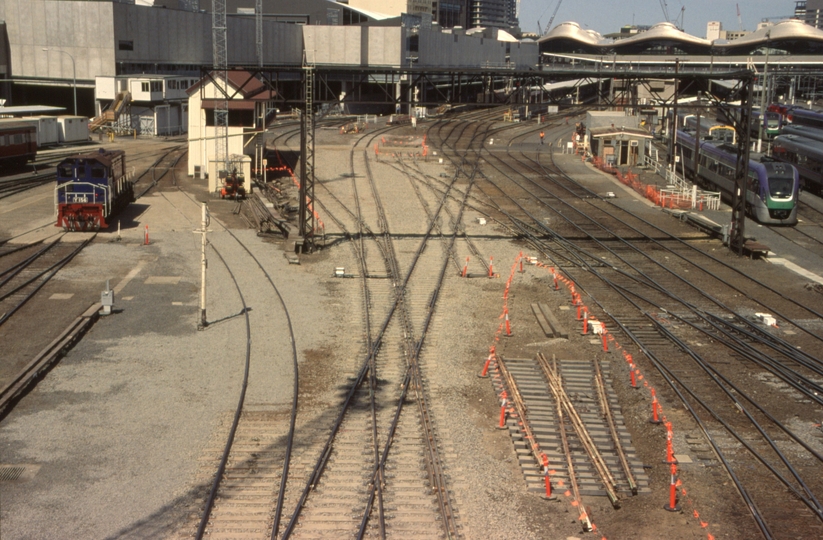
(129, 425)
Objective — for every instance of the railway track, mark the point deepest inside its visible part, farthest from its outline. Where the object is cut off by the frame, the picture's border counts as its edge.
(629, 281)
(163, 166)
(399, 477)
(28, 269)
(20, 281)
(571, 386)
(372, 476)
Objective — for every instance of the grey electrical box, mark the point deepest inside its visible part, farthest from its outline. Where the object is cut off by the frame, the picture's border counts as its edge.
(107, 299)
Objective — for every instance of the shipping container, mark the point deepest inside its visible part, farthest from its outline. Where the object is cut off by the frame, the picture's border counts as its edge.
(73, 129)
(48, 132)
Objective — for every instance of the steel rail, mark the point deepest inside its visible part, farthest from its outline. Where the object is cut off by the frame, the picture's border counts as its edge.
(743, 492)
(387, 256)
(293, 343)
(596, 458)
(16, 249)
(606, 411)
(776, 343)
(413, 377)
(19, 267)
(669, 376)
(757, 517)
(221, 468)
(549, 371)
(520, 407)
(806, 385)
(721, 382)
(695, 287)
(723, 264)
(745, 350)
(375, 344)
(352, 389)
(756, 513)
(51, 271)
(183, 149)
(359, 252)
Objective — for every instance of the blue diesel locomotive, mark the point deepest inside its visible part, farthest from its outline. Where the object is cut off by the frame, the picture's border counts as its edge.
(772, 187)
(90, 189)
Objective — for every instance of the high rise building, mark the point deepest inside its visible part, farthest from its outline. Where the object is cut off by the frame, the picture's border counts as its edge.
(714, 30)
(449, 13)
(813, 13)
(493, 13)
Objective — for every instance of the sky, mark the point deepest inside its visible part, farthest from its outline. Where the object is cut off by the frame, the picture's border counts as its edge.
(607, 16)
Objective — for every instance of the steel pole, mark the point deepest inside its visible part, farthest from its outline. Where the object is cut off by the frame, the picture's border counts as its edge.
(73, 74)
(203, 264)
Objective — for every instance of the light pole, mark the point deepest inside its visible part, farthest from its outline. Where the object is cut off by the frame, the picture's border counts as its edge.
(763, 85)
(73, 75)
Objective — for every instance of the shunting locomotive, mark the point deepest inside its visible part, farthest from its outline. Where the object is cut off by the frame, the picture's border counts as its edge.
(91, 188)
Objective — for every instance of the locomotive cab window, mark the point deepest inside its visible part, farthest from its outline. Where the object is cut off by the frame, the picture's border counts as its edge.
(98, 172)
(65, 171)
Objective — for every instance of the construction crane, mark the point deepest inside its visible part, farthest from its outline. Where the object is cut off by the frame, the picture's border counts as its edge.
(551, 20)
(665, 7)
(678, 22)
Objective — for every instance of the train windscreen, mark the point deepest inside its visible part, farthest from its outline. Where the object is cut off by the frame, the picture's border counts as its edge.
(780, 188)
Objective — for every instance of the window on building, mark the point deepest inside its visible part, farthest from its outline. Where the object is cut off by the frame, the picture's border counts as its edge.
(125, 45)
(332, 17)
(144, 87)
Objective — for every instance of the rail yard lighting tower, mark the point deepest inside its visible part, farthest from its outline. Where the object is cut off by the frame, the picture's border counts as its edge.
(764, 84)
(73, 75)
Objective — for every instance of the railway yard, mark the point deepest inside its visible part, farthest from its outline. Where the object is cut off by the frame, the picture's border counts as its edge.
(494, 339)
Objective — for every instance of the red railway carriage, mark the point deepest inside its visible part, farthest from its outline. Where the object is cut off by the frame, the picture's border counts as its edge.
(18, 143)
(91, 188)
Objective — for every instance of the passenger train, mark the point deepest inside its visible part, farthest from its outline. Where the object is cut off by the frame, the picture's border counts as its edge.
(806, 154)
(771, 190)
(712, 130)
(18, 143)
(805, 117)
(91, 188)
(771, 128)
(802, 131)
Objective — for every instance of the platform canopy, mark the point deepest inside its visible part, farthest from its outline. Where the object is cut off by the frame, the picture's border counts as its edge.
(29, 110)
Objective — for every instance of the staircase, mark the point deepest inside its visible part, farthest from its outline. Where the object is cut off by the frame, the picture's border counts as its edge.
(111, 114)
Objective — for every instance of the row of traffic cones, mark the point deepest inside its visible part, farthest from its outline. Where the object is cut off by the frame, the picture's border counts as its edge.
(506, 411)
(636, 379)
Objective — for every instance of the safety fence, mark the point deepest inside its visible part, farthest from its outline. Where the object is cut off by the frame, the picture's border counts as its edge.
(677, 194)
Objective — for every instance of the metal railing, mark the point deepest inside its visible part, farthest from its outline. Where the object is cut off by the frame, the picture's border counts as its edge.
(681, 193)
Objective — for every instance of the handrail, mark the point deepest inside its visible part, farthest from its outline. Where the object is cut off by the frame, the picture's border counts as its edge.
(83, 198)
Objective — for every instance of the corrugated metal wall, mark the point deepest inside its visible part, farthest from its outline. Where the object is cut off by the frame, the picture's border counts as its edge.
(102, 35)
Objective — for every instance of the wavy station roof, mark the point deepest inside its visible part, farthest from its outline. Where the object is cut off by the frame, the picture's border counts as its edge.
(792, 37)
